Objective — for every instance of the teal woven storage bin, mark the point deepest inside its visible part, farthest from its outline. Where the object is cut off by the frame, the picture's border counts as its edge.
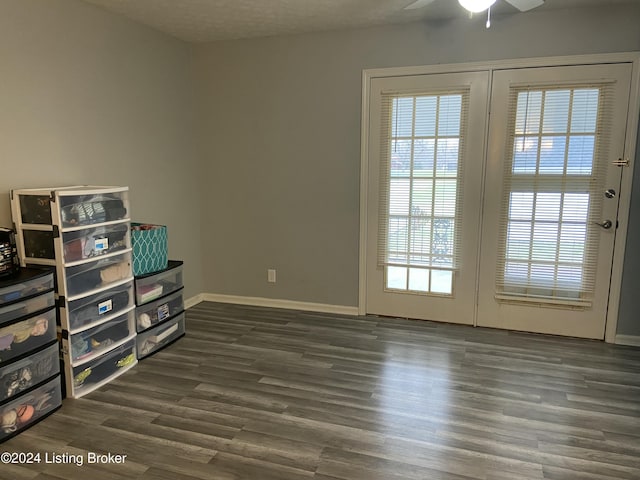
(149, 244)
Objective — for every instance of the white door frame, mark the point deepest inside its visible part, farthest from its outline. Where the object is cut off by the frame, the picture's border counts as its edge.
(627, 175)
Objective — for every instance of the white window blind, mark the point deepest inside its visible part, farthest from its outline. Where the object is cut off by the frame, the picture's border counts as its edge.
(422, 144)
(553, 182)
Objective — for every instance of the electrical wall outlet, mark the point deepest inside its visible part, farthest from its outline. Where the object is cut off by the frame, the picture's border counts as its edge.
(271, 275)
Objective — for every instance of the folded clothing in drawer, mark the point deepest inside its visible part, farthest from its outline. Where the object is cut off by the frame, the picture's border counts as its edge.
(87, 277)
(28, 408)
(26, 335)
(93, 242)
(92, 209)
(32, 370)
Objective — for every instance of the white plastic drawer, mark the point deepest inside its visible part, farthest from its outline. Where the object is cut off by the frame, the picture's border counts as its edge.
(23, 374)
(101, 274)
(93, 208)
(151, 287)
(93, 242)
(91, 375)
(24, 336)
(13, 311)
(156, 338)
(95, 308)
(151, 314)
(91, 343)
(27, 409)
(28, 282)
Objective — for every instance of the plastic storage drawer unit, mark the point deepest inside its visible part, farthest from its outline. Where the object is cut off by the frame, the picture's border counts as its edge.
(19, 376)
(96, 308)
(29, 282)
(76, 210)
(27, 334)
(159, 337)
(91, 375)
(101, 274)
(28, 408)
(94, 341)
(152, 286)
(159, 310)
(23, 308)
(94, 242)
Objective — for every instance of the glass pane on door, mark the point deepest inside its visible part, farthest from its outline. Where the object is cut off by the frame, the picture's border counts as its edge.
(424, 187)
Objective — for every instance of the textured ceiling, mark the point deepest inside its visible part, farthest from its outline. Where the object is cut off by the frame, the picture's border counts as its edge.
(210, 20)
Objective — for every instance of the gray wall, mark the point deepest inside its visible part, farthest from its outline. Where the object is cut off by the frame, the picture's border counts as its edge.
(282, 117)
(629, 313)
(89, 98)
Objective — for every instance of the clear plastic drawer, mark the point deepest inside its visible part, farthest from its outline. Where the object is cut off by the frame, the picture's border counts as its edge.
(30, 281)
(92, 208)
(91, 343)
(29, 408)
(35, 208)
(95, 308)
(159, 310)
(93, 242)
(91, 375)
(13, 311)
(153, 286)
(101, 274)
(24, 336)
(19, 376)
(38, 244)
(159, 337)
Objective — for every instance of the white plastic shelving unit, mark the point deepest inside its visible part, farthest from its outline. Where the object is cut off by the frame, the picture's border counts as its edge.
(83, 233)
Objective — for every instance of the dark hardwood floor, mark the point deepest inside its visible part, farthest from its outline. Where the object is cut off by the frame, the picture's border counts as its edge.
(256, 393)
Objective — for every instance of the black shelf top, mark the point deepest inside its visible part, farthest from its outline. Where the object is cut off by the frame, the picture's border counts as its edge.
(171, 265)
(24, 275)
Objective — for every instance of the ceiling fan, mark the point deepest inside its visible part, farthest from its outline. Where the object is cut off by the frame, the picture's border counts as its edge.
(476, 6)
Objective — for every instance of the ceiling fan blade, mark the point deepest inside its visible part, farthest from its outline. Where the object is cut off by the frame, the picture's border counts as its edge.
(525, 5)
(418, 4)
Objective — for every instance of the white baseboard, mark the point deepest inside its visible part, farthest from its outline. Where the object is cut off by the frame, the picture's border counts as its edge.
(275, 303)
(631, 340)
(190, 302)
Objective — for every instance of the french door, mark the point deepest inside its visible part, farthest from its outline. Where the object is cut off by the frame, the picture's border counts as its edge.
(426, 146)
(551, 198)
(508, 222)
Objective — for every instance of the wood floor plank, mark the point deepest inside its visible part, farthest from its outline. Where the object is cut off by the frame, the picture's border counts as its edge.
(272, 394)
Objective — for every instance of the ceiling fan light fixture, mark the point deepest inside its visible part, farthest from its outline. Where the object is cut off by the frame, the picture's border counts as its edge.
(476, 6)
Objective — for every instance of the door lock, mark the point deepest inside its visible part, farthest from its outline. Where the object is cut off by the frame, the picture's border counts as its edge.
(611, 193)
(607, 224)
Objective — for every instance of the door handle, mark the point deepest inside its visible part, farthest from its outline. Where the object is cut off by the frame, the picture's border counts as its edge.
(607, 224)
